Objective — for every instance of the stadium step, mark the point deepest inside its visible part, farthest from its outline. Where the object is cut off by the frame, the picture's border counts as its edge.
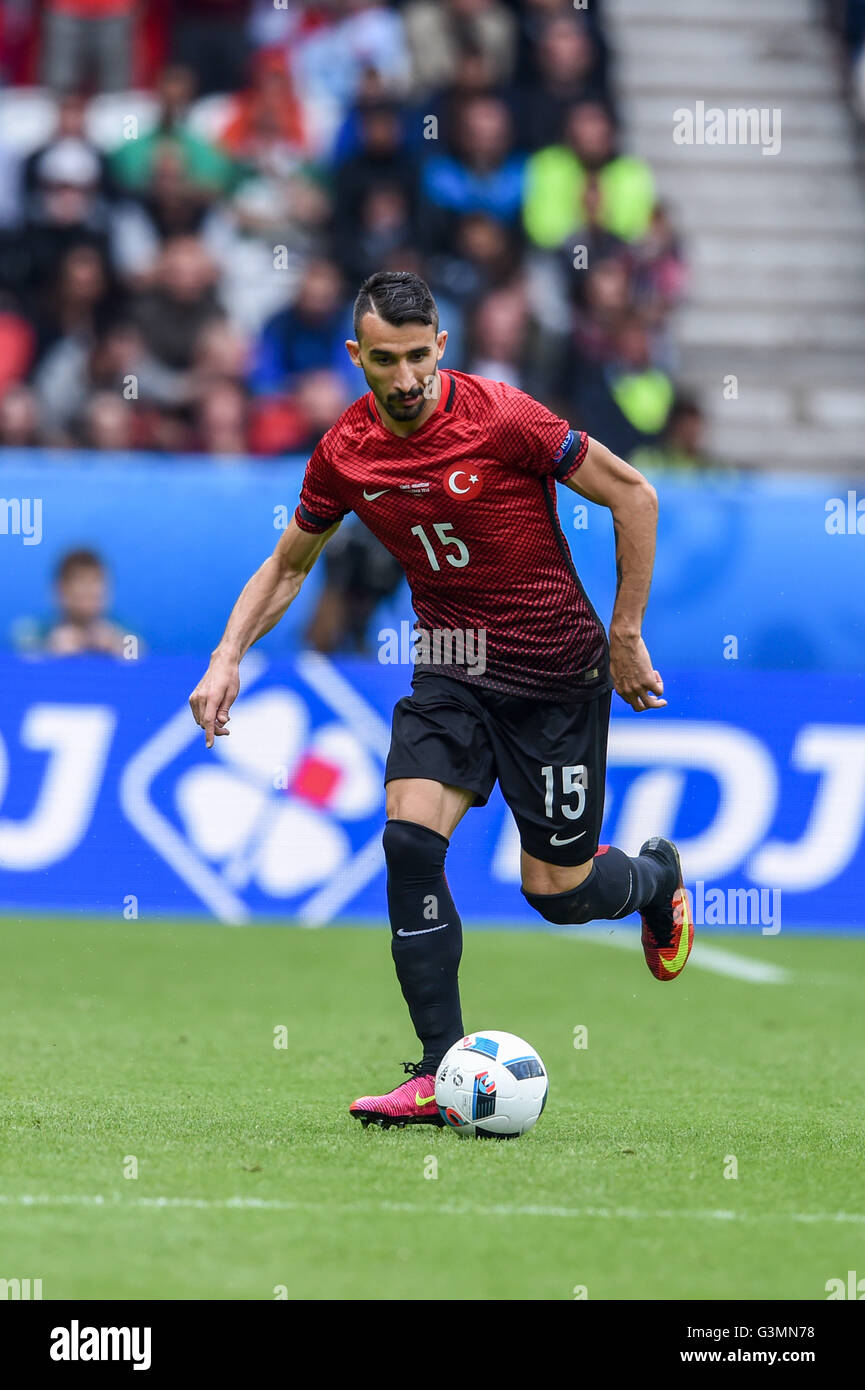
(797, 253)
(824, 328)
(789, 446)
(704, 44)
(634, 14)
(770, 406)
(767, 186)
(795, 369)
(803, 156)
(820, 290)
(761, 82)
(819, 218)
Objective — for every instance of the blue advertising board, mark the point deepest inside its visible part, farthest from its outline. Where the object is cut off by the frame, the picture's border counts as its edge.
(110, 802)
(773, 563)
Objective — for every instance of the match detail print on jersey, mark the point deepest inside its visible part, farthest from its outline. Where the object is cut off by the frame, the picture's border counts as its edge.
(467, 504)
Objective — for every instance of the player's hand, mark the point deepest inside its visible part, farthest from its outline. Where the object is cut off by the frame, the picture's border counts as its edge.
(634, 677)
(213, 697)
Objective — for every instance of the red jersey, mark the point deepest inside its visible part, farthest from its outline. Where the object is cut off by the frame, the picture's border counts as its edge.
(467, 505)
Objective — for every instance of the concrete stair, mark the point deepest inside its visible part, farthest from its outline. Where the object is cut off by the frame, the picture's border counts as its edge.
(776, 243)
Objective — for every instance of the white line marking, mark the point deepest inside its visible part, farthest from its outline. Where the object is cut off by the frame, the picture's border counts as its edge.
(117, 1203)
(724, 962)
(703, 956)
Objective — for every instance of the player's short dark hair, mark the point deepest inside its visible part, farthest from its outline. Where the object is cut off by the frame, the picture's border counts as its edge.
(75, 560)
(398, 297)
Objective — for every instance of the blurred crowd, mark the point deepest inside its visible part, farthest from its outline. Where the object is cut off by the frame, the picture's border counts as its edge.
(192, 190)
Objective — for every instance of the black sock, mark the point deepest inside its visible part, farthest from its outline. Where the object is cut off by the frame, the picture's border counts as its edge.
(616, 885)
(427, 938)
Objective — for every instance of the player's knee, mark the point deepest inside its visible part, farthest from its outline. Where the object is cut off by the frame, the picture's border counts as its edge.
(412, 850)
(564, 909)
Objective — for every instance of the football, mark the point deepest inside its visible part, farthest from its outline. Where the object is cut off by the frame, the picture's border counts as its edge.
(491, 1085)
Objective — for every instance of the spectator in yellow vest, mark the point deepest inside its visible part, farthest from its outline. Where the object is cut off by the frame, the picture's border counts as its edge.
(557, 177)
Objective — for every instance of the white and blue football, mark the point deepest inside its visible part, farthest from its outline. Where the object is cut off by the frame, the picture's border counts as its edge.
(491, 1085)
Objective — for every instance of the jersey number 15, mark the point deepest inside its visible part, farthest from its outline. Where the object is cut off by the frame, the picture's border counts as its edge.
(441, 528)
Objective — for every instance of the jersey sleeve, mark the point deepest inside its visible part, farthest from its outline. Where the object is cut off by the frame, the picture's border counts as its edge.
(537, 440)
(319, 507)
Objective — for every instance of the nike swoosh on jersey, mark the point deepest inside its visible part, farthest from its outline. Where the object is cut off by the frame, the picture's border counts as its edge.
(371, 496)
(554, 839)
(423, 931)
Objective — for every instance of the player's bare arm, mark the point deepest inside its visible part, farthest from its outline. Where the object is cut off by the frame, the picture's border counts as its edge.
(263, 600)
(608, 480)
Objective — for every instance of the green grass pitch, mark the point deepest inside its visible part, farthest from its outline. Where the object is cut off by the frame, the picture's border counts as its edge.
(154, 1041)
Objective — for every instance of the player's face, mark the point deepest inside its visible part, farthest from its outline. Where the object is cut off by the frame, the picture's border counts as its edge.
(400, 364)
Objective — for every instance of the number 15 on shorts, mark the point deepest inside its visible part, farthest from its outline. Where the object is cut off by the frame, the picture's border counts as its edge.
(573, 781)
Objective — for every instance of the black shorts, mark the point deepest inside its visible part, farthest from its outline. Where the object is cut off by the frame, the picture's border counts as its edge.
(550, 758)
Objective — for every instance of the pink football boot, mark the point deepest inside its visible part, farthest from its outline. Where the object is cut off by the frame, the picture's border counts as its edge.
(412, 1103)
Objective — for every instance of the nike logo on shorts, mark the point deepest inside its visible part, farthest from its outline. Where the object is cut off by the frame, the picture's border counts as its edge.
(371, 496)
(554, 839)
(423, 931)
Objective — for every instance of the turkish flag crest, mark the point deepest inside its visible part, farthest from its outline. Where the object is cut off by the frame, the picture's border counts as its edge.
(463, 482)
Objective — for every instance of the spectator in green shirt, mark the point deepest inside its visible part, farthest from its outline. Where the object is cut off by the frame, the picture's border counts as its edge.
(557, 177)
(133, 162)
